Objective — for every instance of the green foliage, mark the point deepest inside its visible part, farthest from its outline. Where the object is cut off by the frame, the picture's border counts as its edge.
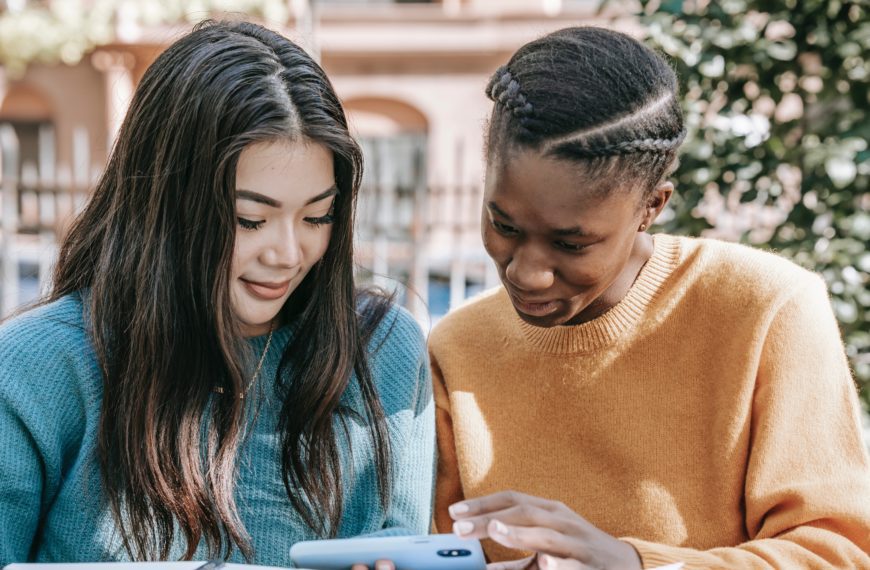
(65, 30)
(776, 98)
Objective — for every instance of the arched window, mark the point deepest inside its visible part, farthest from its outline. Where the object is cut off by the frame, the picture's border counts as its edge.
(26, 245)
(30, 114)
(391, 213)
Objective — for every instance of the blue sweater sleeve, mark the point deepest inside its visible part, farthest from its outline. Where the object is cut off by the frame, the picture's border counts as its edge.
(411, 505)
(42, 415)
(22, 482)
(409, 404)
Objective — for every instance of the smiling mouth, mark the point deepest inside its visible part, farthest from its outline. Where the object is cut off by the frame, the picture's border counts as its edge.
(265, 290)
(534, 309)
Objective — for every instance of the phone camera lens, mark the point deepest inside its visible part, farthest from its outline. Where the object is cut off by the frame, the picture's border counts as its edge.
(454, 553)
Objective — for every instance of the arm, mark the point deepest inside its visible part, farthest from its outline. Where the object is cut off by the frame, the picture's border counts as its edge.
(411, 505)
(808, 476)
(410, 508)
(39, 411)
(21, 484)
(448, 486)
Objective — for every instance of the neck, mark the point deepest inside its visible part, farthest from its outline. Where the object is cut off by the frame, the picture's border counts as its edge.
(641, 251)
(253, 331)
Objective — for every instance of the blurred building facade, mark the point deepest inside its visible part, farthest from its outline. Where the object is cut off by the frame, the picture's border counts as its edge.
(411, 75)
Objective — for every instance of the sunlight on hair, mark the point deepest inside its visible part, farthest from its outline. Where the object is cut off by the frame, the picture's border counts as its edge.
(650, 109)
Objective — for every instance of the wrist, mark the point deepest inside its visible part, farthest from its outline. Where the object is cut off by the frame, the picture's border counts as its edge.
(629, 557)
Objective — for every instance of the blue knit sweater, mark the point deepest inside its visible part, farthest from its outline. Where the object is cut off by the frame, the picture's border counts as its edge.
(52, 505)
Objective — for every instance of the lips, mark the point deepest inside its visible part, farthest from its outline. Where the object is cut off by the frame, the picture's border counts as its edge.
(534, 308)
(267, 291)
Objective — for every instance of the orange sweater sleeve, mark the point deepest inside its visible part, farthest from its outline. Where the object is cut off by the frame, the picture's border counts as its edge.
(807, 491)
(448, 487)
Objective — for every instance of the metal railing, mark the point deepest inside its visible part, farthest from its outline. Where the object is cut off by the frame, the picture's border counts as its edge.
(420, 240)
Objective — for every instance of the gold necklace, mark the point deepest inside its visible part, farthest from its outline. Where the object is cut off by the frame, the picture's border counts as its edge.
(259, 364)
(220, 389)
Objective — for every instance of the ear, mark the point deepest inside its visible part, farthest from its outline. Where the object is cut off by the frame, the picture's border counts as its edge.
(656, 202)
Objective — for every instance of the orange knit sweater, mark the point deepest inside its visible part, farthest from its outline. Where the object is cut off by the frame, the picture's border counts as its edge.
(709, 418)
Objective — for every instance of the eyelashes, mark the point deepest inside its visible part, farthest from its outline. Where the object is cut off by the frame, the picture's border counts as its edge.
(253, 225)
(511, 232)
(503, 228)
(575, 247)
(321, 221)
(250, 225)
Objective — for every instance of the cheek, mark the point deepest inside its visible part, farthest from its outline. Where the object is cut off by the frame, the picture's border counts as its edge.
(597, 268)
(316, 244)
(242, 252)
(582, 270)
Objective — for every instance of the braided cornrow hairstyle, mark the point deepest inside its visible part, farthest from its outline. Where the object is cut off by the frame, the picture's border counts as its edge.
(592, 95)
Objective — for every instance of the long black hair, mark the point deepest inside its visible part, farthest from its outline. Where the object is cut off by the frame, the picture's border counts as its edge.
(154, 247)
(590, 95)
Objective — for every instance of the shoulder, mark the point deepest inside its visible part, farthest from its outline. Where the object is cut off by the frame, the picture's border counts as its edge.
(49, 378)
(397, 333)
(54, 328)
(45, 345)
(398, 361)
(473, 322)
(735, 272)
(747, 260)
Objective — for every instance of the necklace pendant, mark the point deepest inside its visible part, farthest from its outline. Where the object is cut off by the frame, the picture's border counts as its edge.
(241, 395)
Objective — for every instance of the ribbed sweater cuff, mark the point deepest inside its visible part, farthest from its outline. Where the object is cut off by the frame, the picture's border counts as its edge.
(653, 555)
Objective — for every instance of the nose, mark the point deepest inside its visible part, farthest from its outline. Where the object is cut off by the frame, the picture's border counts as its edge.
(529, 270)
(284, 248)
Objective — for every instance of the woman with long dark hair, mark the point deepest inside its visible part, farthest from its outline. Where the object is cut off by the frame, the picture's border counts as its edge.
(204, 379)
(646, 399)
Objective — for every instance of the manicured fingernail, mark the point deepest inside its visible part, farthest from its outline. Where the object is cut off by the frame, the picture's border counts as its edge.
(458, 509)
(501, 528)
(382, 566)
(463, 527)
(545, 562)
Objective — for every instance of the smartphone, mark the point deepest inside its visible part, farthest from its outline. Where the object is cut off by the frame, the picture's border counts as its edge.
(432, 552)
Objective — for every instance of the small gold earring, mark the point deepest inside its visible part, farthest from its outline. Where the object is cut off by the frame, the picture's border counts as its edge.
(642, 227)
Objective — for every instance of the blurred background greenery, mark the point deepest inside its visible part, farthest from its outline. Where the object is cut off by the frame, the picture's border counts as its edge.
(776, 99)
(52, 32)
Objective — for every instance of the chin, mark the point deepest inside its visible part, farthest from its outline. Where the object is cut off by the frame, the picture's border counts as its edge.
(257, 320)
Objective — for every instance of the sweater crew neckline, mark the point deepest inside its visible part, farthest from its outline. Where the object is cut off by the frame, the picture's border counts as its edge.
(605, 329)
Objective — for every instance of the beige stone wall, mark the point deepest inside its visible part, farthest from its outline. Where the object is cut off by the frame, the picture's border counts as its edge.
(432, 58)
(73, 98)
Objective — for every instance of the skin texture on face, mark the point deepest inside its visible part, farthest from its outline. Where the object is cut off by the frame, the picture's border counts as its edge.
(567, 247)
(284, 197)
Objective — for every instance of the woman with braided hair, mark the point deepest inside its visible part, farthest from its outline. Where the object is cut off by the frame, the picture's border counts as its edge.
(627, 400)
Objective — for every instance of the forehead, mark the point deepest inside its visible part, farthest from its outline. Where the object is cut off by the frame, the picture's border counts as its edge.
(554, 192)
(285, 170)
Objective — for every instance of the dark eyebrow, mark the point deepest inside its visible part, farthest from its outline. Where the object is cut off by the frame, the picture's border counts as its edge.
(494, 207)
(263, 199)
(331, 191)
(257, 197)
(576, 231)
